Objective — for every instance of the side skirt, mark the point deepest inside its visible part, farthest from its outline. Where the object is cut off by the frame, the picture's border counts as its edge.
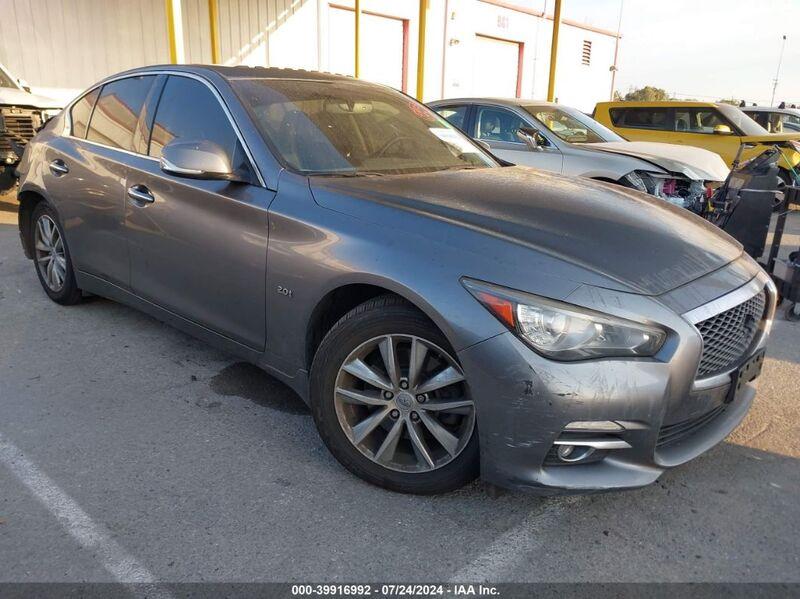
(271, 364)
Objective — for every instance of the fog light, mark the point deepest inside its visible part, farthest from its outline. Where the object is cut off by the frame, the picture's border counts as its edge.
(574, 453)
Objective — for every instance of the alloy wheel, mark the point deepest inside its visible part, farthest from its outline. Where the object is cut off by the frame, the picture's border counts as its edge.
(403, 402)
(51, 259)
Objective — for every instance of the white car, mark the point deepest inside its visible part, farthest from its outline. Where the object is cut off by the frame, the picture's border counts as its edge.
(21, 115)
(558, 138)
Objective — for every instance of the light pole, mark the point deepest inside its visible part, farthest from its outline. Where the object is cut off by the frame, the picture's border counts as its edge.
(778, 72)
(616, 51)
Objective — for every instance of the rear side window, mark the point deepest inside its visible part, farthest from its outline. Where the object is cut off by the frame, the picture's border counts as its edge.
(189, 110)
(455, 115)
(641, 118)
(81, 113)
(117, 112)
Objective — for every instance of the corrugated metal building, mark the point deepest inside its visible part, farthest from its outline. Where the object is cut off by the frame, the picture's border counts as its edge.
(473, 47)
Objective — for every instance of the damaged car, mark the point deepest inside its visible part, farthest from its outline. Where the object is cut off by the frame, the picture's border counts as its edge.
(445, 317)
(21, 115)
(561, 139)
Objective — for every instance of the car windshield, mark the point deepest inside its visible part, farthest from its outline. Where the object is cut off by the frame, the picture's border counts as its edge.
(571, 125)
(741, 121)
(353, 128)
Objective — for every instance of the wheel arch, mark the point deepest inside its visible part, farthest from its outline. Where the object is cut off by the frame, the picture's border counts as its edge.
(29, 198)
(345, 296)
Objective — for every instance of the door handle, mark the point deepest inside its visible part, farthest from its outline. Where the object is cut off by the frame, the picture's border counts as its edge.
(140, 195)
(58, 168)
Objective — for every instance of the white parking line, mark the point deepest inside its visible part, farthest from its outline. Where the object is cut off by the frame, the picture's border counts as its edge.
(514, 546)
(118, 562)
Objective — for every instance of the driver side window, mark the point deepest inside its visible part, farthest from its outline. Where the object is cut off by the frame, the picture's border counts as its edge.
(497, 125)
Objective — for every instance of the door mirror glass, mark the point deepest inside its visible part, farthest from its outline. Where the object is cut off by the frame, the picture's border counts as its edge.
(196, 160)
(722, 130)
(533, 138)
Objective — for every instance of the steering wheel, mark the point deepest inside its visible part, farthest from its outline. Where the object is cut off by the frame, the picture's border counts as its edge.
(385, 147)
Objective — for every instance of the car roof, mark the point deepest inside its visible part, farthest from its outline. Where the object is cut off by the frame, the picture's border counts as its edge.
(794, 111)
(240, 72)
(665, 104)
(498, 101)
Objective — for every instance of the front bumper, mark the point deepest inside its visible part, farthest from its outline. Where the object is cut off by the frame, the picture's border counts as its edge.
(525, 401)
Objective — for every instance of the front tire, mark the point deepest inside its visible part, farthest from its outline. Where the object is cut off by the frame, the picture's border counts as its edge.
(390, 400)
(51, 257)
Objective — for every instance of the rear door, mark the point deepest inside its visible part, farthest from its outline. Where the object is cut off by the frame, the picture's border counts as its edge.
(198, 248)
(497, 127)
(644, 123)
(86, 175)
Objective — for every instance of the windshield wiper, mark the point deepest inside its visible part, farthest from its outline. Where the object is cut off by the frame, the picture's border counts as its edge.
(345, 174)
(465, 167)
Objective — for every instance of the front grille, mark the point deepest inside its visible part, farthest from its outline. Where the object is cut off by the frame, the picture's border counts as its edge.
(18, 126)
(672, 433)
(729, 335)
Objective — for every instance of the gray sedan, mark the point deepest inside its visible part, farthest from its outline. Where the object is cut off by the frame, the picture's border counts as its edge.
(444, 316)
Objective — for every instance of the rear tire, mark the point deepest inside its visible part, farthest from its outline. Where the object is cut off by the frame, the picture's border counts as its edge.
(402, 452)
(51, 256)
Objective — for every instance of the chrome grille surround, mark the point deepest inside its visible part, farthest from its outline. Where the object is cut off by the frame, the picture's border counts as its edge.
(729, 335)
(731, 326)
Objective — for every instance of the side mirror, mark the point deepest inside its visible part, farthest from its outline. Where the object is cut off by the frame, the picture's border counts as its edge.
(196, 160)
(722, 130)
(532, 137)
(484, 145)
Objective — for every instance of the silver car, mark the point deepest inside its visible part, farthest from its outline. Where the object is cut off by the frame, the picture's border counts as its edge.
(775, 120)
(444, 316)
(561, 139)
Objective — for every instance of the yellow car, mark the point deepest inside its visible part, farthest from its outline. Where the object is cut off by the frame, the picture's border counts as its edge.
(718, 127)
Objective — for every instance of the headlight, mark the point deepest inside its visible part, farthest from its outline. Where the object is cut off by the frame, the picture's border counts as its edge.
(565, 332)
(635, 180)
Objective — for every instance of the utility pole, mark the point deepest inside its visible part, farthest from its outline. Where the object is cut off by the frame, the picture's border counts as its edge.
(778, 72)
(357, 40)
(423, 28)
(616, 51)
(551, 83)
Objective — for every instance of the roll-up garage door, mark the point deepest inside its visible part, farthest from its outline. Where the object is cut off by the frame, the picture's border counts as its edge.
(383, 47)
(496, 66)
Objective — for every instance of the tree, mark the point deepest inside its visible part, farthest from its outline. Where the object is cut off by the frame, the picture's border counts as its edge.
(731, 101)
(647, 93)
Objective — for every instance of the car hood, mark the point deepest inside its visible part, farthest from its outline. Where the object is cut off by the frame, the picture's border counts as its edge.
(644, 244)
(17, 97)
(694, 163)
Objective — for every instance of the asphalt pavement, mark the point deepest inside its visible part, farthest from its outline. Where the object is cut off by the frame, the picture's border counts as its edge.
(130, 451)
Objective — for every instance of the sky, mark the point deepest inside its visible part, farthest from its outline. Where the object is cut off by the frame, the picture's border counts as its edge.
(702, 49)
